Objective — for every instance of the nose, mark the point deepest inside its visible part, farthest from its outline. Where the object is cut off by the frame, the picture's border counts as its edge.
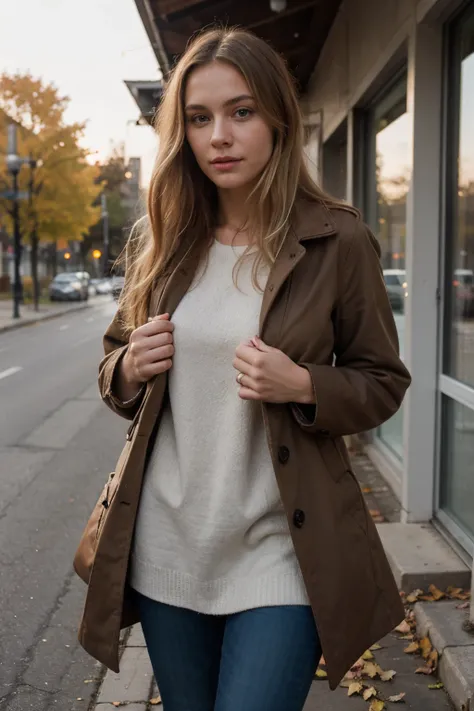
(221, 134)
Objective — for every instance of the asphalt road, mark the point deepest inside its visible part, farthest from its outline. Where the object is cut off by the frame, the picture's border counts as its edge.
(58, 443)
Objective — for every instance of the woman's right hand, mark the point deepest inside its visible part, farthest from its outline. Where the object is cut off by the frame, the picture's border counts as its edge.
(150, 351)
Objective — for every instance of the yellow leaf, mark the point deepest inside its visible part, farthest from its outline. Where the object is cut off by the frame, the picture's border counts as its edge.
(398, 697)
(367, 656)
(374, 647)
(355, 688)
(345, 683)
(370, 669)
(412, 648)
(368, 693)
(433, 659)
(387, 675)
(437, 594)
(321, 674)
(376, 705)
(155, 701)
(439, 685)
(407, 636)
(426, 647)
(403, 628)
(366, 490)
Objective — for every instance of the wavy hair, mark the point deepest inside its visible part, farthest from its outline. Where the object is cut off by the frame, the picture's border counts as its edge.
(183, 202)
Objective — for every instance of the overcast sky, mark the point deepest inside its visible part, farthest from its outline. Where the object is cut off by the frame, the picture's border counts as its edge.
(86, 48)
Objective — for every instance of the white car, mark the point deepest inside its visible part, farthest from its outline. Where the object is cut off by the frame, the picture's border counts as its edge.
(395, 282)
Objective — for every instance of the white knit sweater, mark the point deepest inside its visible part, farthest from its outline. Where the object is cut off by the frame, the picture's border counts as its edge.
(211, 533)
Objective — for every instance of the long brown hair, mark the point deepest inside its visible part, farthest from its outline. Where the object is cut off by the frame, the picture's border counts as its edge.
(182, 201)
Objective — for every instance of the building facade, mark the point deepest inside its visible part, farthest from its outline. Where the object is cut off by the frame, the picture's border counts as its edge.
(388, 111)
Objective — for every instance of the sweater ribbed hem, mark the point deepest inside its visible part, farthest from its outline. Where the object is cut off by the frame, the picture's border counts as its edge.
(216, 597)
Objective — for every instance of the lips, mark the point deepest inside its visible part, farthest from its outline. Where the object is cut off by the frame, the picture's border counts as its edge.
(225, 159)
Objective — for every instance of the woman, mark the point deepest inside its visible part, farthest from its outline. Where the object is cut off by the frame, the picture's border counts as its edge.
(253, 332)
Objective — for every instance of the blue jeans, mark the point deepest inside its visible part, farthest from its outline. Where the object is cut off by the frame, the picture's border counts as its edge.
(262, 659)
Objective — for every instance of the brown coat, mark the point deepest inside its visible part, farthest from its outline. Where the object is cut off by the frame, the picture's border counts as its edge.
(325, 297)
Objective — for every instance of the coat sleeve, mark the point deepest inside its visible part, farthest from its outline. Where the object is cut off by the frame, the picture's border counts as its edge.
(368, 380)
(115, 346)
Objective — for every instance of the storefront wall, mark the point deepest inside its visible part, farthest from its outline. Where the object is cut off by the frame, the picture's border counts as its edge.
(382, 80)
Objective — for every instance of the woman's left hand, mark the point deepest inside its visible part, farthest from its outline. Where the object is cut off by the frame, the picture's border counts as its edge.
(269, 375)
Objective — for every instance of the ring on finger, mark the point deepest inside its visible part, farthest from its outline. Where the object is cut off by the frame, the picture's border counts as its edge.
(239, 378)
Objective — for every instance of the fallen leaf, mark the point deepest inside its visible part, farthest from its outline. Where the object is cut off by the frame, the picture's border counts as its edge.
(376, 705)
(433, 659)
(437, 594)
(398, 697)
(424, 670)
(427, 598)
(368, 693)
(403, 627)
(439, 685)
(357, 666)
(374, 647)
(155, 701)
(88, 681)
(352, 674)
(345, 683)
(370, 669)
(366, 490)
(367, 656)
(463, 606)
(374, 512)
(378, 519)
(412, 648)
(387, 675)
(407, 636)
(322, 661)
(321, 674)
(116, 703)
(426, 647)
(453, 592)
(355, 688)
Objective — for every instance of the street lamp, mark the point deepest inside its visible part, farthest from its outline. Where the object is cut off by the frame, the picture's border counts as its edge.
(105, 231)
(14, 163)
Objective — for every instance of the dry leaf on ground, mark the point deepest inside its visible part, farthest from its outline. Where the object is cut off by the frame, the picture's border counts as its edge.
(433, 659)
(412, 648)
(425, 647)
(376, 705)
(368, 693)
(155, 701)
(321, 674)
(437, 594)
(370, 669)
(367, 656)
(463, 606)
(387, 675)
(366, 490)
(424, 670)
(322, 661)
(374, 647)
(438, 685)
(403, 627)
(355, 688)
(397, 697)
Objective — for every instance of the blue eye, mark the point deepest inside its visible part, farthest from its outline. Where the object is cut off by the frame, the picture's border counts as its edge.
(197, 119)
(244, 113)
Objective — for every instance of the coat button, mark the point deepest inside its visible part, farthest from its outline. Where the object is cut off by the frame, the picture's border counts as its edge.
(283, 454)
(298, 518)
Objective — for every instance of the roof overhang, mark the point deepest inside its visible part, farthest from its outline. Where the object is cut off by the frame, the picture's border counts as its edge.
(147, 95)
(298, 31)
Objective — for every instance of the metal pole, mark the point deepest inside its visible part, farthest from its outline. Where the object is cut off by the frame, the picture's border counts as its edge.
(17, 249)
(105, 227)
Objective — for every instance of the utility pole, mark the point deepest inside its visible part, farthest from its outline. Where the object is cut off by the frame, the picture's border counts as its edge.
(14, 163)
(105, 229)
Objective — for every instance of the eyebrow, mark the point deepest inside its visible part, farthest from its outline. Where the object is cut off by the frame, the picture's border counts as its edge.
(229, 102)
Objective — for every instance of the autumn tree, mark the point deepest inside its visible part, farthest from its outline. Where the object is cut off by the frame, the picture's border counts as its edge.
(63, 186)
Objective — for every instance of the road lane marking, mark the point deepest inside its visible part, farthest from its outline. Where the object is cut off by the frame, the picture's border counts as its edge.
(63, 328)
(10, 371)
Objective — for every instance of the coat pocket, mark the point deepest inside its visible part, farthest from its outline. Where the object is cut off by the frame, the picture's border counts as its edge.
(85, 554)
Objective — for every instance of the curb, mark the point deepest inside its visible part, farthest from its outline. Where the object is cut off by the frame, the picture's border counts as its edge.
(42, 317)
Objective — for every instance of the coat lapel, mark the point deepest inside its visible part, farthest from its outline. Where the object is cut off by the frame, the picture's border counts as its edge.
(310, 220)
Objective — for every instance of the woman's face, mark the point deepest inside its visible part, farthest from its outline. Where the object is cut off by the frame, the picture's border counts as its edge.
(228, 136)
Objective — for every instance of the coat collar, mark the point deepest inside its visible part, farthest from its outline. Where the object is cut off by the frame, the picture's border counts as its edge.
(311, 220)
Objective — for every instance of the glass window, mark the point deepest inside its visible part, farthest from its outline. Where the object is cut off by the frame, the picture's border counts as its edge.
(389, 174)
(457, 484)
(335, 163)
(459, 345)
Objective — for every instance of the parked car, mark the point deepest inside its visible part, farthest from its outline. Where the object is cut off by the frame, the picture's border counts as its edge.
(395, 282)
(117, 285)
(103, 286)
(463, 284)
(68, 286)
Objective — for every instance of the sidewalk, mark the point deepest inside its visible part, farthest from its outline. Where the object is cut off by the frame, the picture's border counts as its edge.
(134, 689)
(29, 316)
